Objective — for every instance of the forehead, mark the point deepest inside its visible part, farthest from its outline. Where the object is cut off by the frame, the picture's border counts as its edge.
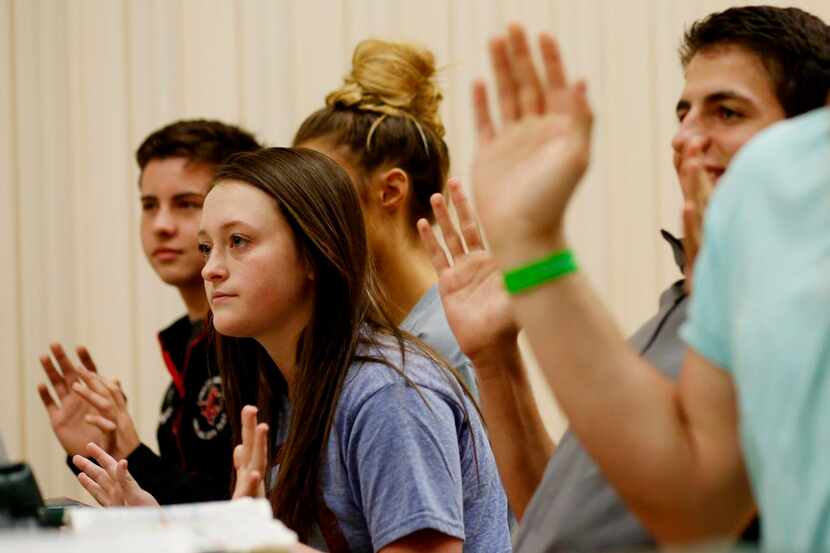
(174, 175)
(729, 67)
(237, 201)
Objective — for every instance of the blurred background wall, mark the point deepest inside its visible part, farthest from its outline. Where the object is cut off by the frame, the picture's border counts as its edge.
(82, 82)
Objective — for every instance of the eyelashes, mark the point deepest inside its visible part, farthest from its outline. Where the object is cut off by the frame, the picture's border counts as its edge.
(235, 241)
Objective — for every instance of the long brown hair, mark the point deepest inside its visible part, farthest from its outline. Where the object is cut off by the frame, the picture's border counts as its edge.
(320, 204)
(386, 112)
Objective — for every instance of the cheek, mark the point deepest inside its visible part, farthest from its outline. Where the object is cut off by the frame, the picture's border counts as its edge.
(272, 291)
(146, 232)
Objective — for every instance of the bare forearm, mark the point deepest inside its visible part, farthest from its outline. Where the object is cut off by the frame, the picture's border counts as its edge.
(625, 413)
(520, 441)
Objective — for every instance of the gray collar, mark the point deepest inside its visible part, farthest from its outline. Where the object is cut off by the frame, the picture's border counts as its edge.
(676, 248)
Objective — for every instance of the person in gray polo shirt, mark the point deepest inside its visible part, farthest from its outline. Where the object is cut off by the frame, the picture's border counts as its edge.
(745, 69)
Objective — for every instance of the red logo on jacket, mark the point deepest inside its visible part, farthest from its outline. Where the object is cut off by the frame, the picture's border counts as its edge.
(211, 403)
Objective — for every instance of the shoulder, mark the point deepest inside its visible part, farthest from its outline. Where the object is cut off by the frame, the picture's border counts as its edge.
(382, 370)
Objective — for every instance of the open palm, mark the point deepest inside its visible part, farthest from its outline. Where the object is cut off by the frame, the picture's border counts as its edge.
(470, 283)
(525, 173)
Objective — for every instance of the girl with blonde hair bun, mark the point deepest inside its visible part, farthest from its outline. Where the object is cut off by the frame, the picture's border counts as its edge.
(383, 126)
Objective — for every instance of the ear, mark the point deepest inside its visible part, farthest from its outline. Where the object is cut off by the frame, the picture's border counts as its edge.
(391, 189)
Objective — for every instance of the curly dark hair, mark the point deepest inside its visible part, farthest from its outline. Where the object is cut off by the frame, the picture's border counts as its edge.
(198, 140)
(793, 45)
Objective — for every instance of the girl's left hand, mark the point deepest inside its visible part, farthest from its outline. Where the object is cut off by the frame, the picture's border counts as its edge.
(250, 457)
(109, 482)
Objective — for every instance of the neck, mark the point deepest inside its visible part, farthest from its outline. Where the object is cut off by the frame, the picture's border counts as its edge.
(405, 273)
(281, 344)
(194, 300)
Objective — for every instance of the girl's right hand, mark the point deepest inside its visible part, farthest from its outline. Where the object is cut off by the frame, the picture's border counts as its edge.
(250, 457)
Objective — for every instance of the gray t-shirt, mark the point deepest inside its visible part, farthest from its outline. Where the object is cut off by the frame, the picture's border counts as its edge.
(404, 458)
(575, 508)
(428, 322)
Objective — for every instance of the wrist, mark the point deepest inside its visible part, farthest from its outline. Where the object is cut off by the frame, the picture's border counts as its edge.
(500, 362)
(519, 248)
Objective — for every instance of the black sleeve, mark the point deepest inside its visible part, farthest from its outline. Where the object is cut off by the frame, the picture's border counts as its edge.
(169, 484)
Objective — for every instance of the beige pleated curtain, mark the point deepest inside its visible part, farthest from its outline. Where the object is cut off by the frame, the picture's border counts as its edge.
(83, 81)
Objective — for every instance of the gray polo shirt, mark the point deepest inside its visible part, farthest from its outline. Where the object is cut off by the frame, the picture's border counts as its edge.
(575, 508)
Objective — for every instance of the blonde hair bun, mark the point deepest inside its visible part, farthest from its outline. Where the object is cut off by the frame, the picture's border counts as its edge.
(394, 79)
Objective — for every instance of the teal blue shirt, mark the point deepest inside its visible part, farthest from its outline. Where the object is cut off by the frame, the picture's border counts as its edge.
(761, 311)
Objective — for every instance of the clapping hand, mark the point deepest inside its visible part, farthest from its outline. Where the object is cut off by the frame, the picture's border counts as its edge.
(109, 482)
(69, 412)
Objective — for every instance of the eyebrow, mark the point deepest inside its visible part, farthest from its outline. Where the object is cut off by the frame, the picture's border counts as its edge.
(179, 196)
(203, 233)
(713, 98)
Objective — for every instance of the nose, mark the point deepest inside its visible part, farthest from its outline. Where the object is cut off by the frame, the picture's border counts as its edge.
(164, 223)
(214, 269)
(691, 132)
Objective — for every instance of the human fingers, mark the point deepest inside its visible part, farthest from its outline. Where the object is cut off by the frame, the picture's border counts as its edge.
(260, 450)
(466, 218)
(506, 88)
(56, 378)
(64, 362)
(93, 398)
(100, 422)
(453, 240)
(86, 359)
(249, 413)
(485, 130)
(552, 62)
(529, 94)
(105, 460)
(95, 490)
(434, 249)
(46, 398)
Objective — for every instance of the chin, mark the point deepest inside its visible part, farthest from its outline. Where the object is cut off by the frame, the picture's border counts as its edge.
(229, 325)
(178, 277)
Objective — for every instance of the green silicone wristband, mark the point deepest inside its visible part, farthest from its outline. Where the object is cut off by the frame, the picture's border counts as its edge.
(549, 268)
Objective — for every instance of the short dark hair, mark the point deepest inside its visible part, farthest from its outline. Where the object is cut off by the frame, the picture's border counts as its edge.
(793, 45)
(198, 140)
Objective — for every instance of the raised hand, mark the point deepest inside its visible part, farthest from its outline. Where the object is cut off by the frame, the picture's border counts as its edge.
(250, 457)
(109, 482)
(469, 281)
(525, 173)
(697, 188)
(68, 412)
(109, 413)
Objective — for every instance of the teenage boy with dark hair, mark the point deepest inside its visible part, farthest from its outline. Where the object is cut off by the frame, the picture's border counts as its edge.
(177, 164)
(746, 68)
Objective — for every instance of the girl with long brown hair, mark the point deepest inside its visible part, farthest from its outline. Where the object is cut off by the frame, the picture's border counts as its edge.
(368, 441)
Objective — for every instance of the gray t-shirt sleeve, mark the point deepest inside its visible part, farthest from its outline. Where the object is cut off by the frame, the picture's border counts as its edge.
(416, 482)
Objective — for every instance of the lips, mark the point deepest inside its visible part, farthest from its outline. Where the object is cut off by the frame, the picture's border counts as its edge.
(166, 254)
(219, 297)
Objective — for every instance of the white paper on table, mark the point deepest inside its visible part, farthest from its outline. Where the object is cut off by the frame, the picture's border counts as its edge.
(243, 525)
